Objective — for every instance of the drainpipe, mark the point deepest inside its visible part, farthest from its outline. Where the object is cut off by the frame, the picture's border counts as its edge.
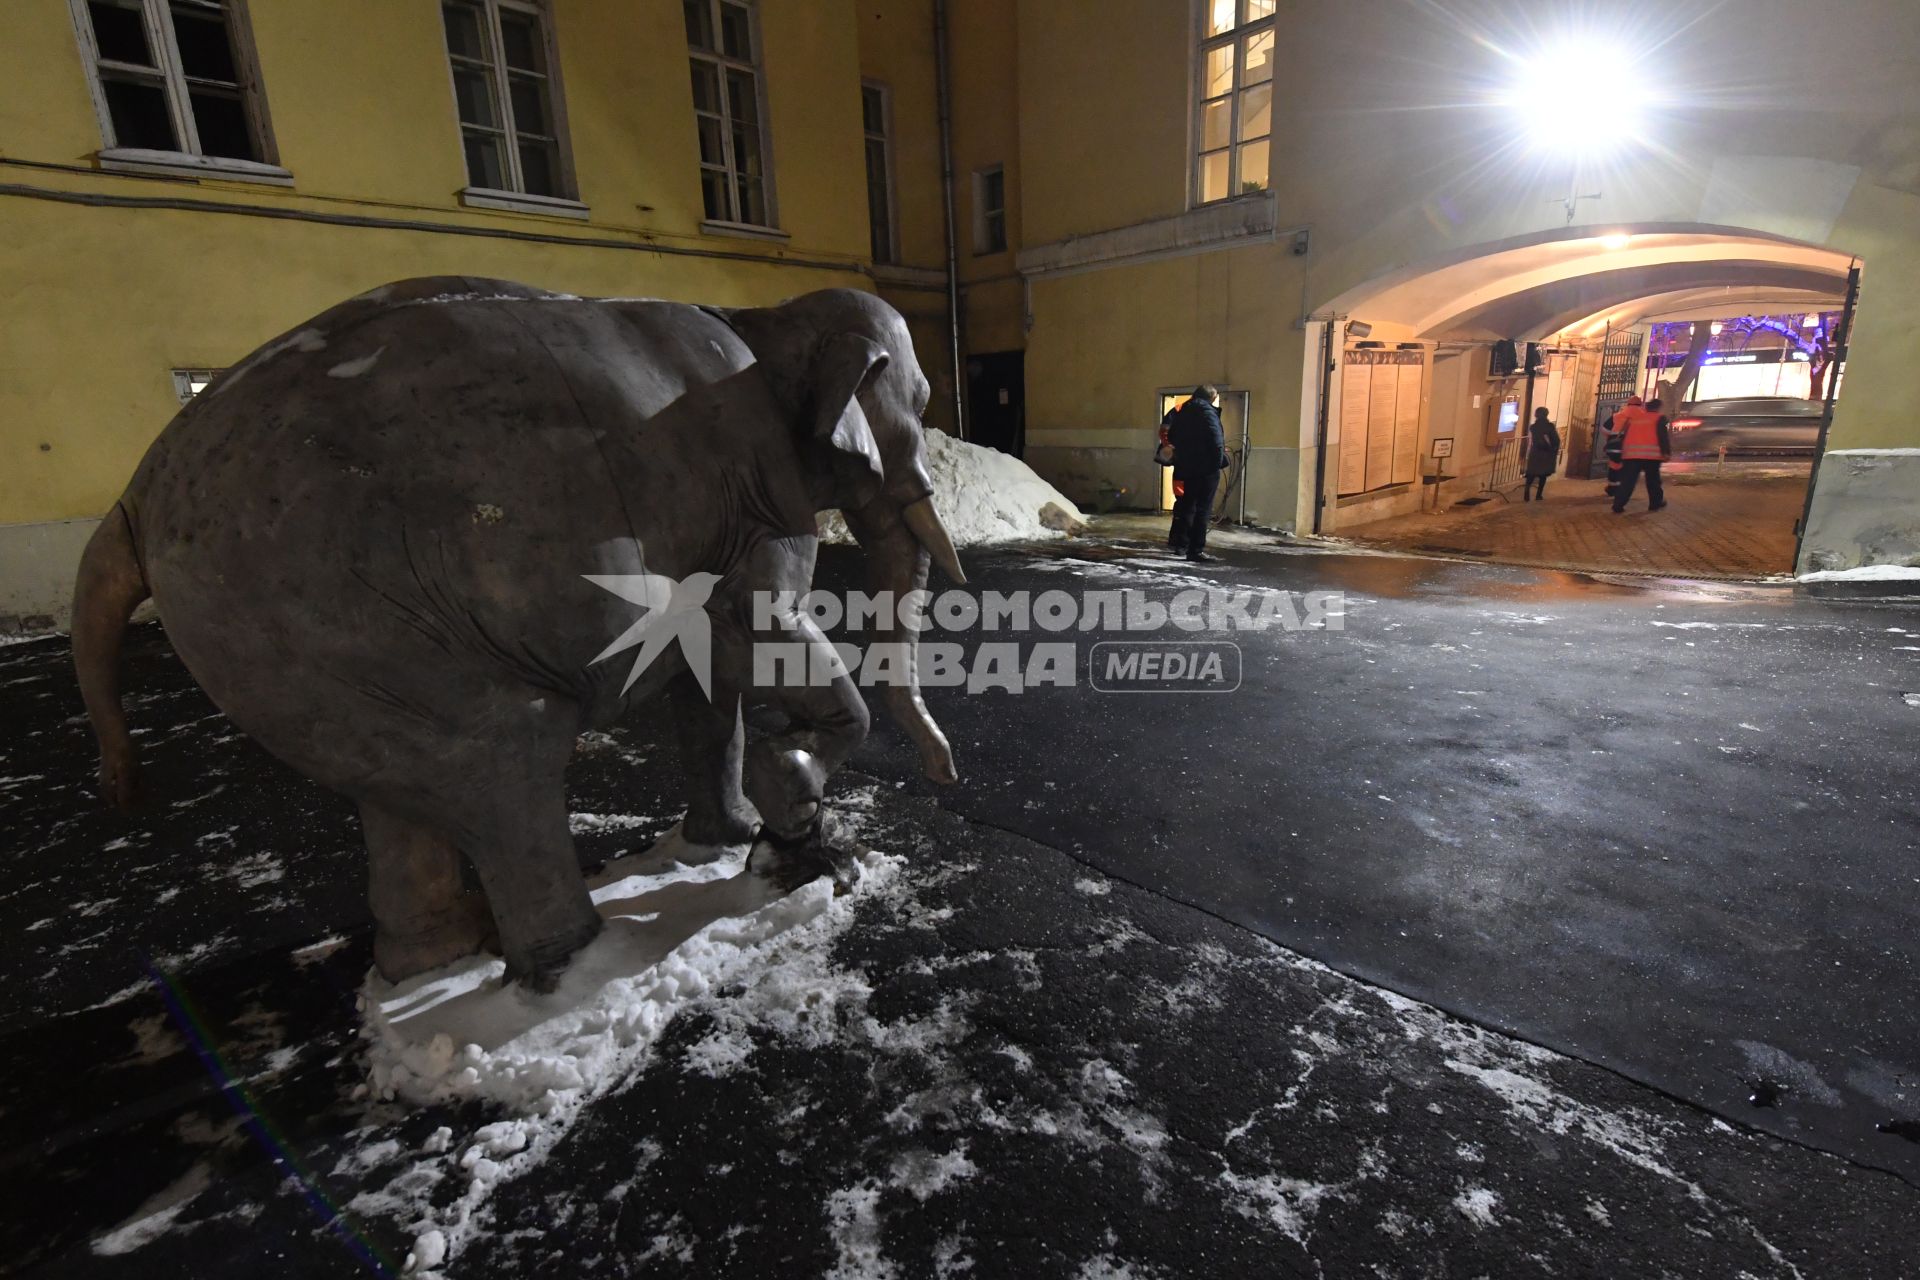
(1320, 428)
(944, 85)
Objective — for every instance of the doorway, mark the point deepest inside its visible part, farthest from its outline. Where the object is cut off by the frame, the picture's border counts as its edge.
(997, 400)
(1233, 421)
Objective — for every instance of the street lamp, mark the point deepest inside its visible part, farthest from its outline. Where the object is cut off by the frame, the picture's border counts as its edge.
(1570, 104)
(1570, 92)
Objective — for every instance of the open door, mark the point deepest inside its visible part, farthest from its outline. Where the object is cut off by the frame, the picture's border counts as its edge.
(1233, 425)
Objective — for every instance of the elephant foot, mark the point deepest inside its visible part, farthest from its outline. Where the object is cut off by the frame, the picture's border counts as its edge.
(428, 942)
(790, 863)
(539, 965)
(734, 827)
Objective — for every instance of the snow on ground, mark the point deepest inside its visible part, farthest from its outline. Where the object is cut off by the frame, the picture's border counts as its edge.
(983, 496)
(675, 938)
(1866, 573)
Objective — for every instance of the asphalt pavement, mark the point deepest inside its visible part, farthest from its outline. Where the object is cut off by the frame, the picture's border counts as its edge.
(1661, 833)
(1669, 827)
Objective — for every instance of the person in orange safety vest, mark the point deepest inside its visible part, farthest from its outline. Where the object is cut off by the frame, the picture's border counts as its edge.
(1645, 443)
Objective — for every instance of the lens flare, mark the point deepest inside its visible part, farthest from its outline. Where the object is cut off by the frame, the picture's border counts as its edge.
(1578, 97)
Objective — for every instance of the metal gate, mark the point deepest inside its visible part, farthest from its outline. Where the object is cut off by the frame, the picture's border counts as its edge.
(1619, 378)
(1505, 471)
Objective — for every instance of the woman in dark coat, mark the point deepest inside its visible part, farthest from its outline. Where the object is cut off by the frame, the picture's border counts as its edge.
(1543, 455)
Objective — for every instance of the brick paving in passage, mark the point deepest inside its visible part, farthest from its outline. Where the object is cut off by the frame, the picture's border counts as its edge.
(1738, 525)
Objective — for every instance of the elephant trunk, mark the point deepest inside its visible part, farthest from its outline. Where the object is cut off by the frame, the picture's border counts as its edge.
(897, 564)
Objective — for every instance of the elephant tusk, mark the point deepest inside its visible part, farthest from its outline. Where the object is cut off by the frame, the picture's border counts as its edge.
(924, 521)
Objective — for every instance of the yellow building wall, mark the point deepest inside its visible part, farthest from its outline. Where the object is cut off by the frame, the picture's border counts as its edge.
(1387, 147)
(896, 49)
(984, 51)
(102, 303)
(1103, 103)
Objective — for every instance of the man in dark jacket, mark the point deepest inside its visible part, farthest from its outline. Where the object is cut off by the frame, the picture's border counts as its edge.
(1199, 456)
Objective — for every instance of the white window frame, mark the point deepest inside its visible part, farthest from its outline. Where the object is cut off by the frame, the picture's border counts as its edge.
(982, 245)
(1234, 37)
(188, 383)
(751, 66)
(514, 197)
(885, 139)
(188, 160)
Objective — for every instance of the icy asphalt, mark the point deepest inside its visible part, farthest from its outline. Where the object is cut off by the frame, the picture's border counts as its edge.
(1666, 829)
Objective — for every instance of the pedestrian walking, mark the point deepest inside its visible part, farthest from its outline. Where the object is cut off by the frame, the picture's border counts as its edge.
(1645, 443)
(1543, 455)
(1610, 445)
(1199, 457)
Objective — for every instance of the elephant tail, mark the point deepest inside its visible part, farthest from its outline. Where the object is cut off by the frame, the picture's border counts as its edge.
(110, 586)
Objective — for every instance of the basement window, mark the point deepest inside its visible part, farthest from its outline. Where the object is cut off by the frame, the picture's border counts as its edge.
(729, 111)
(176, 87)
(506, 95)
(1233, 125)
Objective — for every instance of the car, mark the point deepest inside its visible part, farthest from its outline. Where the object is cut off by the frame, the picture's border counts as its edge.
(1748, 424)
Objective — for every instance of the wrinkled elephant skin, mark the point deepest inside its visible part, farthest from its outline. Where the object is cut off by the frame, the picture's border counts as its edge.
(375, 543)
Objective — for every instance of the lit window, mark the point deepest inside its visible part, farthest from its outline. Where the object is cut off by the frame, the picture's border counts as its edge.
(188, 383)
(874, 113)
(504, 93)
(728, 111)
(174, 76)
(989, 210)
(1234, 125)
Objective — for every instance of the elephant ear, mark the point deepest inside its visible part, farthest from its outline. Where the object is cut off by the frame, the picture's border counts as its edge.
(845, 363)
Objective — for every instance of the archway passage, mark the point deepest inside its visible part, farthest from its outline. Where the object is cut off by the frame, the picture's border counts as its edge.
(1440, 370)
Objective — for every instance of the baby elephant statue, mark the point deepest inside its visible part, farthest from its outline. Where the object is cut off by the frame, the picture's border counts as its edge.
(401, 547)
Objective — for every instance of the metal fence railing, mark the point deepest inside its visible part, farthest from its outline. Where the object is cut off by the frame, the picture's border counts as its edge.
(1504, 473)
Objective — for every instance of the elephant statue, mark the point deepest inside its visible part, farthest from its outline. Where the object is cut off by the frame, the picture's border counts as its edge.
(379, 544)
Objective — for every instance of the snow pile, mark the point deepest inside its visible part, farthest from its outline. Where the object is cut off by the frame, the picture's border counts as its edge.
(1866, 573)
(983, 496)
(675, 937)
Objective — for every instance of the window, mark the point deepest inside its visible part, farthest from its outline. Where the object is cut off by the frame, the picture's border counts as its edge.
(505, 93)
(990, 210)
(729, 112)
(174, 76)
(875, 118)
(1235, 118)
(188, 383)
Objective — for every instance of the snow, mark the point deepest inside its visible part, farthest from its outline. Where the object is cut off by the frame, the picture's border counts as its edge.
(1866, 573)
(354, 368)
(676, 935)
(155, 1218)
(983, 496)
(1478, 1204)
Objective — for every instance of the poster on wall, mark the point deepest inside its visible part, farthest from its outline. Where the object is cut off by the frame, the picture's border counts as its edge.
(1355, 381)
(1381, 394)
(1406, 422)
(1381, 400)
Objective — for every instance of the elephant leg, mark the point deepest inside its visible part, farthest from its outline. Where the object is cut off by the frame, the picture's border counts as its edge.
(424, 915)
(786, 773)
(712, 747)
(518, 840)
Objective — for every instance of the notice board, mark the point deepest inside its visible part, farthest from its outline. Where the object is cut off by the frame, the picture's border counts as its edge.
(1380, 394)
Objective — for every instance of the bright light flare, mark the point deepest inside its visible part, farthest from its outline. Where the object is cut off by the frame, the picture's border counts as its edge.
(1618, 240)
(1578, 97)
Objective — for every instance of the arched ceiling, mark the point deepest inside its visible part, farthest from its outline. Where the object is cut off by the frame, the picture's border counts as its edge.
(1624, 296)
(1535, 288)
